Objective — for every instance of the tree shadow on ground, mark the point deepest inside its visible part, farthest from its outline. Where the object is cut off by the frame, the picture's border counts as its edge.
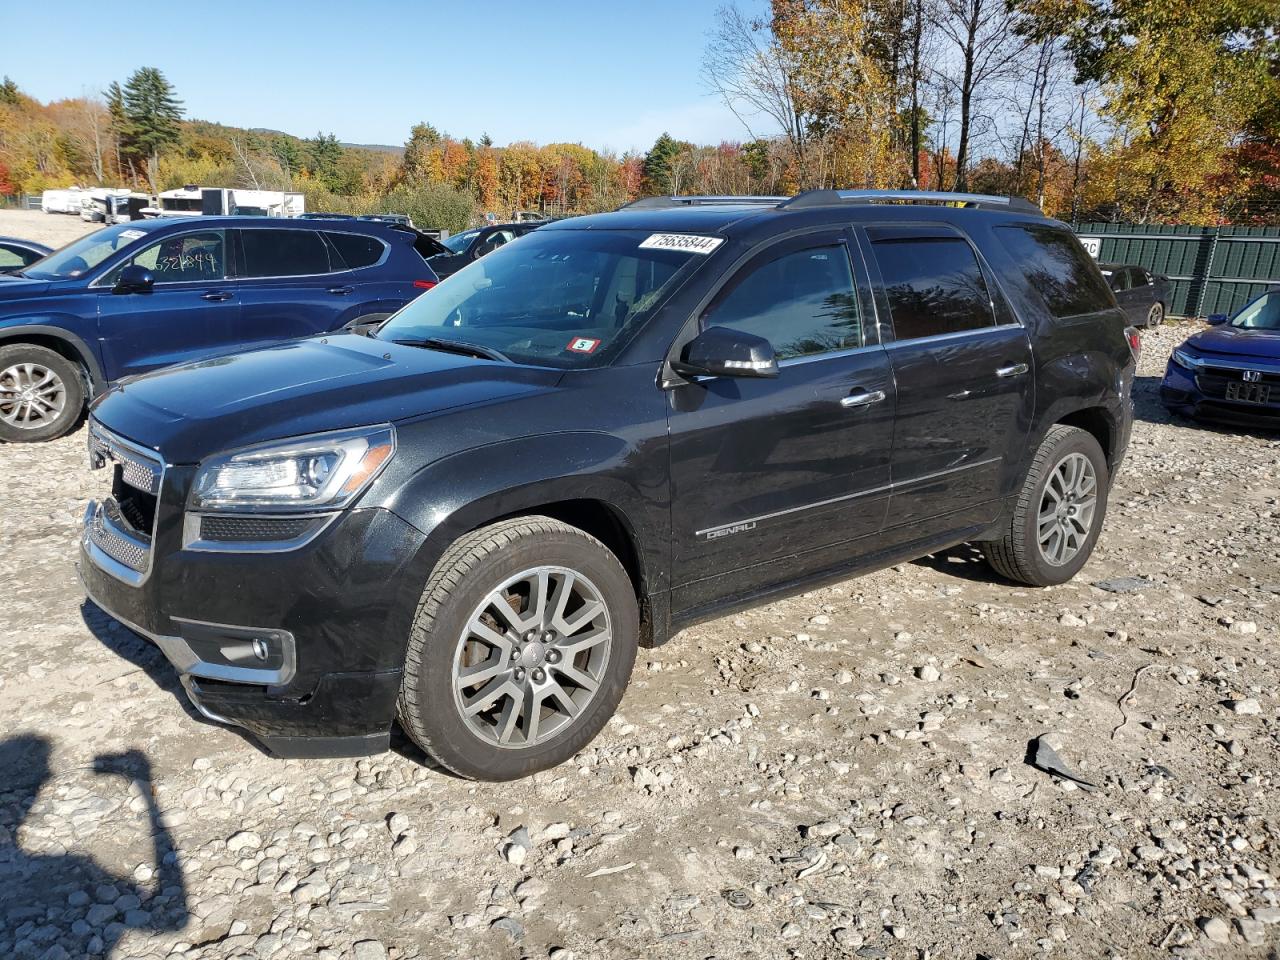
(56, 898)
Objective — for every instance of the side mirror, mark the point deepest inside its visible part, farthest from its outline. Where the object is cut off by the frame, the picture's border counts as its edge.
(1217, 319)
(134, 279)
(723, 352)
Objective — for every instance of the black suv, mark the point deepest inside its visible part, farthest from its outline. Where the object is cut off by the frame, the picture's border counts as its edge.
(615, 428)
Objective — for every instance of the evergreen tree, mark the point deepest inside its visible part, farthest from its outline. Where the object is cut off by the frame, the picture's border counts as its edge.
(8, 92)
(657, 164)
(151, 117)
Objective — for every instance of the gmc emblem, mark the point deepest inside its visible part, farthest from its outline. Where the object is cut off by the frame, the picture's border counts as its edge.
(1252, 376)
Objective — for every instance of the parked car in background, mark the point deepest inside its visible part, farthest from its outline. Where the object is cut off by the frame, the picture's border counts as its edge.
(326, 216)
(396, 218)
(16, 254)
(1230, 372)
(1142, 295)
(610, 430)
(137, 296)
(470, 245)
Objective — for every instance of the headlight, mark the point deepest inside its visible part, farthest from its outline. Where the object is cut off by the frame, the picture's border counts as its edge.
(325, 471)
(1187, 360)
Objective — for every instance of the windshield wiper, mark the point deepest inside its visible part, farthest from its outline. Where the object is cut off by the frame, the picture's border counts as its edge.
(456, 346)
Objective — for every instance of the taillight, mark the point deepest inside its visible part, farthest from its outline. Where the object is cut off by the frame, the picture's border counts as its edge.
(1135, 340)
(425, 284)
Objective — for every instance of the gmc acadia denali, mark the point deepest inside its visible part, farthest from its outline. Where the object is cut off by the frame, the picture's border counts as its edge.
(619, 426)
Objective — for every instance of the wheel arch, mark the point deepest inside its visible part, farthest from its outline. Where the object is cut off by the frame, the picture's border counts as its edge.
(65, 344)
(1097, 421)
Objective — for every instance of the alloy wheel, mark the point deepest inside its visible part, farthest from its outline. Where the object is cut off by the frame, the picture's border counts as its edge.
(31, 395)
(1067, 509)
(531, 657)
(1155, 316)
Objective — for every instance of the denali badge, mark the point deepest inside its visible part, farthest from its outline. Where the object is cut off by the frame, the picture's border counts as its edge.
(1251, 376)
(730, 530)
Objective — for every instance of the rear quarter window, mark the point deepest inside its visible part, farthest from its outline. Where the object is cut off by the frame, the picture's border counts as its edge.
(356, 250)
(1057, 268)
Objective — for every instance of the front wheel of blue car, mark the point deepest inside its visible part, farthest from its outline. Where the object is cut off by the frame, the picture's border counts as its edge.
(521, 649)
(41, 393)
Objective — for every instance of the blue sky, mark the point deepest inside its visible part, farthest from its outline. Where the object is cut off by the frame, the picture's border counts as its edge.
(603, 73)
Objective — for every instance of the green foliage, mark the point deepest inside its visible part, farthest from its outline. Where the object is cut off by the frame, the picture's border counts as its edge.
(152, 113)
(435, 206)
(658, 163)
(8, 92)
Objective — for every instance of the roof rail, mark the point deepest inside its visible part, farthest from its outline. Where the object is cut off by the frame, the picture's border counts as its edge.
(823, 198)
(657, 203)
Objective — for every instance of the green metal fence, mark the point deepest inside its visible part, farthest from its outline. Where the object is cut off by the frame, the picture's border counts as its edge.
(1212, 269)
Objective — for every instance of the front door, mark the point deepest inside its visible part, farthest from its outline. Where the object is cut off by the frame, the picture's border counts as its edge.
(190, 313)
(962, 363)
(776, 478)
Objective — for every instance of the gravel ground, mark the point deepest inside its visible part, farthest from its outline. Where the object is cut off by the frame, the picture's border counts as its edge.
(52, 229)
(844, 773)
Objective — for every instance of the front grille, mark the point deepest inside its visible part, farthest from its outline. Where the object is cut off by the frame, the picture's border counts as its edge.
(248, 529)
(107, 530)
(122, 525)
(140, 469)
(1215, 382)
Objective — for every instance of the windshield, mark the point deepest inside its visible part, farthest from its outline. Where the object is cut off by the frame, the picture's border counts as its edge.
(76, 259)
(460, 241)
(1262, 314)
(559, 298)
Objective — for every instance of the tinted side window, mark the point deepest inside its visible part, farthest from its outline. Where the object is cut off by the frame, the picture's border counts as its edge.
(934, 286)
(1057, 268)
(803, 303)
(181, 259)
(283, 253)
(356, 250)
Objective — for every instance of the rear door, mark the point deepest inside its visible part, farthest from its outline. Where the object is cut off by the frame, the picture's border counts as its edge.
(962, 365)
(778, 478)
(289, 285)
(191, 312)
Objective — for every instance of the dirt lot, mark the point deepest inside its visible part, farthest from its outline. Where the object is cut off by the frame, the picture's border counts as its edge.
(839, 774)
(51, 229)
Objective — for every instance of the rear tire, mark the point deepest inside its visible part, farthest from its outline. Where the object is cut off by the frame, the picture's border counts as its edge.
(1155, 316)
(1058, 514)
(520, 651)
(41, 393)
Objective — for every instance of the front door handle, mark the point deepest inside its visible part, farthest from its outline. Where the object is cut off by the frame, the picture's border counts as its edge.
(215, 295)
(862, 398)
(1013, 370)
(341, 291)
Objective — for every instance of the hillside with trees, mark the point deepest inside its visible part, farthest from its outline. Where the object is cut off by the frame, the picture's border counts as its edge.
(1157, 111)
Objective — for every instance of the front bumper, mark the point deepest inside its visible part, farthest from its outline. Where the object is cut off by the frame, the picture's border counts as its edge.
(304, 649)
(1202, 396)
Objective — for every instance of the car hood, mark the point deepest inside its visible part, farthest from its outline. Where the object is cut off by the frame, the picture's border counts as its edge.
(193, 411)
(1234, 341)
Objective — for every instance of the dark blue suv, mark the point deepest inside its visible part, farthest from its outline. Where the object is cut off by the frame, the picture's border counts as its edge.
(137, 296)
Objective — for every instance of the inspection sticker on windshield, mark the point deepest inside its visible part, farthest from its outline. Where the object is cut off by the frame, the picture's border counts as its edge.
(583, 344)
(684, 242)
(132, 234)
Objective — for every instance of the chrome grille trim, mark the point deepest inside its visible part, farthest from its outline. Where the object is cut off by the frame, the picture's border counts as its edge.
(140, 468)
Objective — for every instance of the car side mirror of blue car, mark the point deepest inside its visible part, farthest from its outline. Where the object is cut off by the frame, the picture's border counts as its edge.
(134, 279)
(1217, 319)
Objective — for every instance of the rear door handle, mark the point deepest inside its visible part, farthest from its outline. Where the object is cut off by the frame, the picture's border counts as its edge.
(862, 398)
(215, 295)
(341, 291)
(1013, 370)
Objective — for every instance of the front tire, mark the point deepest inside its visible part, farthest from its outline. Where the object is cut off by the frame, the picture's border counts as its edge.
(1058, 514)
(41, 393)
(520, 651)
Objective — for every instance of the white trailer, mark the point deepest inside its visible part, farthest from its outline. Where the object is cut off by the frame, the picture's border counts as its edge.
(62, 201)
(194, 201)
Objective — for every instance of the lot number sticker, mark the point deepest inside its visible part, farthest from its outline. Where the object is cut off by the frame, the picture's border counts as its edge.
(583, 344)
(685, 242)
